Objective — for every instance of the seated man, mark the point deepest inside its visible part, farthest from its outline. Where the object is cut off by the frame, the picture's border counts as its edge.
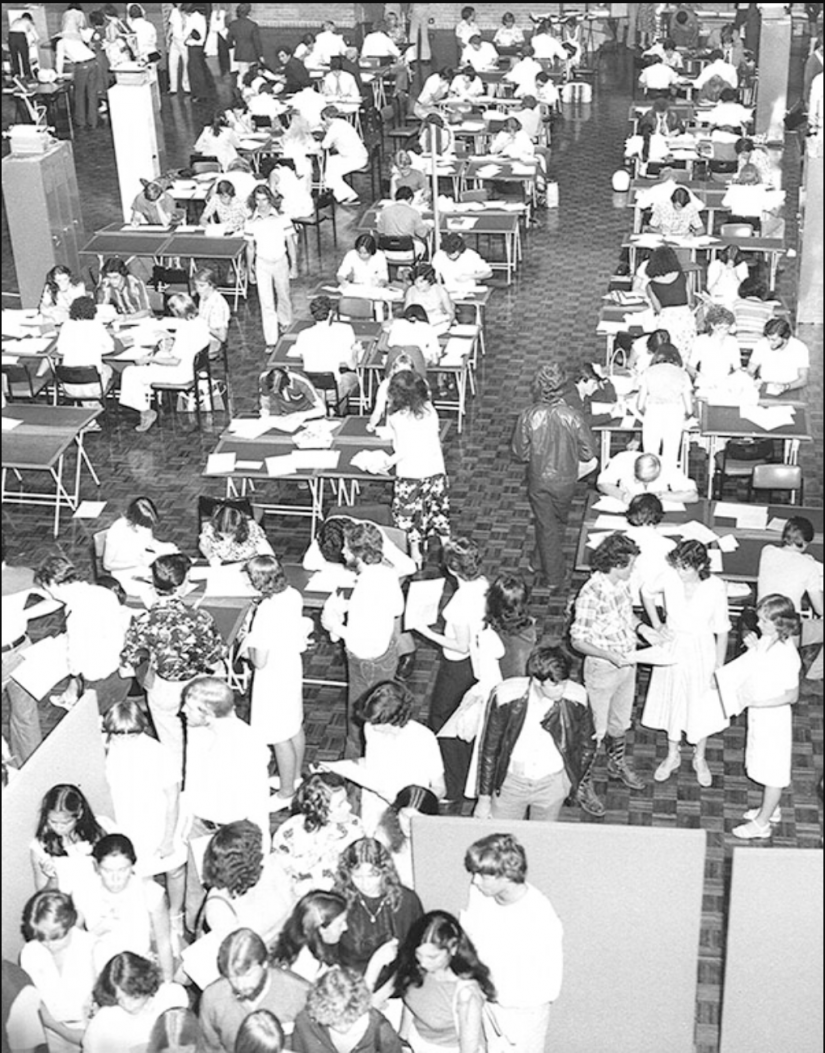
(630, 473)
(524, 73)
(378, 44)
(781, 360)
(401, 219)
(729, 113)
(338, 85)
(329, 346)
(295, 72)
(480, 54)
(717, 67)
(457, 266)
(660, 119)
(789, 569)
(658, 76)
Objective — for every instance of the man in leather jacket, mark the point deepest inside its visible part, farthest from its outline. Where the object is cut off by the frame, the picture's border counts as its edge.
(552, 439)
(538, 742)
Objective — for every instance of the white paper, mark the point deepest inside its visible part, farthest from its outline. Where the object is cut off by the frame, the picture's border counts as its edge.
(693, 530)
(731, 679)
(10, 360)
(333, 577)
(461, 223)
(726, 510)
(250, 428)
(610, 504)
(283, 465)
(673, 506)
(716, 564)
(595, 538)
(220, 463)
(35, 345)
(658, 654)
(737, 590)
(10, 423)
(384, 432)
(248, 466)
(89, 509)
(423, 599)
(44, 664)
(357, 772)
(728, 543)
(752, 517)
(321, 459)
(487, 171)
(768, 417)
(610, 522)
(600, 409)
(228, 580)
(455, 352)
(373, 461)
(776, 524)
(465, 330)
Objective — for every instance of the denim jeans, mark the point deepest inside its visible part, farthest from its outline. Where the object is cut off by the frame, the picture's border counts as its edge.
(543, 797)
(610, 690)
(364, 673)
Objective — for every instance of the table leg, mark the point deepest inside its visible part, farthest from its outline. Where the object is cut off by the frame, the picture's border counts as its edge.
(508, 252)
(711, 464)
(605, 446)
(461, 383)
(83, 456)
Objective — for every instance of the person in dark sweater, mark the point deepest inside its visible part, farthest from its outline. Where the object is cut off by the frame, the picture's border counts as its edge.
(244, 35)
(294, 71)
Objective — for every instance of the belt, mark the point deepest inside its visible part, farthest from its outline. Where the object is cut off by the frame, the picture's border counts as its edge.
(15, 643)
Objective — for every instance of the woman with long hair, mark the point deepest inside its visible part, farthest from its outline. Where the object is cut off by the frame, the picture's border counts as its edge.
(444, 986)
(394, 828)
(59, 292)
(130, 546)
(662, 280)
(309, 942)
(232, 536)
(507, 614)
(67, 831)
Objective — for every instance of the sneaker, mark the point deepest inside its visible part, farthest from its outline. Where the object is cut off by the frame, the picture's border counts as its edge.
(775, 816)
(147, 419)
(589, 800)
(279, 804)
(668, 766)
(703, 775)
(752, 831)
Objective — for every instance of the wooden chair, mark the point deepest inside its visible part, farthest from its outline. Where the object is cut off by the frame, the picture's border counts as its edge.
(201, 370)
(770, 477)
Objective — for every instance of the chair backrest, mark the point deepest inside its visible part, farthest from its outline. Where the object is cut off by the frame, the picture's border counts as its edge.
(749, 449)
(77, 375)
(354, 307)
(199, 164)
(98, 550)
(736, 230)
(17, 374)
(323, 381)
(395, 243)
(777, 477)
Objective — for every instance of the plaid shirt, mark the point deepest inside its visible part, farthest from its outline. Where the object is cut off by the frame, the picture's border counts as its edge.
(181, 642)
(604, 615)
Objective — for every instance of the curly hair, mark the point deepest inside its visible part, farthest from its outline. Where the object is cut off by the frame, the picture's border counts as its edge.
(549, 382)
(389, 702)
(663, 261)
(645, 510)
(364, 540)
(506, 605)
(367, 851)
(312, 912)
(48, 909)
(443, 930)
(313, 796)
(64, 797)
(462, 558)
(339, 996)
(691, 555)
(781, 611)
(128, 973)
(234, 858)
(83, 309)
(408, 391)
(716, 314)
(331, 538)
(617, 550)
(499, 855)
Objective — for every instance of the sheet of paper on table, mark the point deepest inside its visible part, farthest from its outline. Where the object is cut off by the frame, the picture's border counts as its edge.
(693, 530)
(322, 459)
(283, 465)
(423, 599)
(673, 506)
(129, 354)
(455, 352)
(10, 360)
(248, 466)
(776, 524)
(372, 461)
(752, 517)
(623, 385)
(250, 427)
(728, 543)
(46, 664)
(768, 417)
(331, 578)
(726, 510)
(521, 168)
(610, 522)
(229, 579)
(610, 504)
(89, 509)
(488, 171)
(716, 564)
(220, 463)
(596, 537)
(30, 345)
(15, 322)
(10, 423)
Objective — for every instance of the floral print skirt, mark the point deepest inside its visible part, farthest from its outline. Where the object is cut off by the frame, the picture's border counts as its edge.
(421, 507)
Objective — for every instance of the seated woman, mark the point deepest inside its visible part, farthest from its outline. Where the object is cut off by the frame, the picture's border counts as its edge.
(513, 142)
(230, 536)
(436, 138)
(403, 173)
(715, 355)
(60, 291)
(365, 264)
(288, 394)
(131, 546)
(459, 267)
(394, 829)
(466, 85)
(339, 1015)
(322, 824)
(663, 282)
(212, 308)
(83, 341)
(677, 217)
(753, 308)
(434, 298)
(67, 831)
(308, 944)
(124, 291)
(726, 272)
(154, 206)
(413, 329)
(246, 888)
(218, 140)
(225, 206)
(171, 363)
(508, 34)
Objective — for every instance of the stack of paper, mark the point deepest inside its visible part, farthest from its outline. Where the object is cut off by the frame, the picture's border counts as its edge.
(372, 461)
(250, 427)
(220, 463)
(320, 459)
(10, 423)
(610, 504)
(228, 580)
(283, 465)
(768, 417)
(693, 530)
(455, 352)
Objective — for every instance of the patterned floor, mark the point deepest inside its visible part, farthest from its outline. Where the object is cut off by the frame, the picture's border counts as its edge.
(549, 313)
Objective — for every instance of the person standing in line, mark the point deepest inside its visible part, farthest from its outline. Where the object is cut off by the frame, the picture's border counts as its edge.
(604, 630)
(552, 440)
(23, 37)
(518, 936)
(176, 50)
(276, 261)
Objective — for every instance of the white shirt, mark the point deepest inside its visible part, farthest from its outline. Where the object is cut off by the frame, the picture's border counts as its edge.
(465, 610)
(417, 443)
(715, 361)
(379, 45)
(326, 346)
(535, 754)
(95, 628)
(339, 84)
(520, 943)
(620, 471)
(732, 114)
(373, 606)
(485, 57)
(270, 234)
(790, 573)
(783, 365)
(530, 121)
(546, 46)
(717, 68)
(372, 271)
(465, 31)
(466, 270)
(227, 773)
(399, 757)
(72, 49)
(345, 140)
(524, 74)
(147, 37)
(658, 77)
(403, 333)
(515, 147)
(327, 44)
(83, 342)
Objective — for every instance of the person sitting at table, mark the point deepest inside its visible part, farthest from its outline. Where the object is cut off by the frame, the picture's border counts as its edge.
(729, 113)
(83, 342)
(436, 137)
(513, 142)
(242, 178)
(226, 207)
(466, 85)
(583, 384)
(378, 44)
(172, 362)
(717, 67)
(329, 346)
(436, 88)
(715, 353)
(130, 545)
(403, 174)
(666, 49)
(231, 536)
(663, 282)
(790, 568)
(459, 267)
(401, 220)
(546, 91)
(753, 308)
(747, 153)
(413, 331)
(365, 264)
(678, 216)
(154, 206)
(328, 44)
(630, 473)
(545, 45)
(124, 291)
(433, 297)
(781, 360)
(304, 51)
(59, 293)
(345, 152)
(288, 393)
(294, 71)
(264, 103)
(338, 85)
(660, 120)
(480, 54)
(524, 73)
(508, 34)
(749, 201)
(666, 401)
(218, 140)
(294, 191)
(238, 116)
(658, 76)
(726, 272)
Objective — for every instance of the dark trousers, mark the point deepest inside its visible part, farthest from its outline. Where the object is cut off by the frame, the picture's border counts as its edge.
(453, 681)
(86, 90)
(19, 54)
(551, 509)
(200, 79)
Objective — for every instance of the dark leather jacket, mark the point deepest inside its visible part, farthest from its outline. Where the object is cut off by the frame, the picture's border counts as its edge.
(569, 722)
(551, 438)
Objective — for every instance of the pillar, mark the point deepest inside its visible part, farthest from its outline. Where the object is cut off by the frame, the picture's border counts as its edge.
(773, 61)
(809, 304)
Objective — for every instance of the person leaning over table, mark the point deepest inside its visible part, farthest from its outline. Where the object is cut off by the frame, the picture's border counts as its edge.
(658, 76)
(365, 264)
(330, 346)
(781, 360)
(231, 536)
(433, 297)
(663, 282)
(403, 174)
(457, 266)
(295, 72)
(715, 353)
(288, 393)
(130, 545)
(59, 293)
(630, 473)
(154, 206)
(401, 220)
(378, 44)
(85, 75)
(124, 291)
(226, 207)
(678, 216)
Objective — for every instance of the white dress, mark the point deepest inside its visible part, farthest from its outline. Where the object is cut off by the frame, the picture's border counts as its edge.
(66, 992)
(680, 697)
(279, 628)
(769, 745)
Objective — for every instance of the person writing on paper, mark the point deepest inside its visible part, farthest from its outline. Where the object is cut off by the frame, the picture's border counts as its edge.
(60, 291)
(231, 536)
(537, 743)
(480, 54)
(227, 207)
(436, 88)
(130, 545)
(678, 217)
(768, 693)
(82, 343)
(365, 264)
(726, 272)
(513, 142)
(401, 219)
(124, 291)
(666, 400)
(403, 174)
(433, 297)
(153, 206)
(218, 140)
(338, 85)
(466, 86)
(329, 346)
(508, 34)
(629, 473)
(459, 267)
(780, 360)
(413, 332)
(524, 72)
(715, 354)
(682, 698)
(288, 394)
(212, 308)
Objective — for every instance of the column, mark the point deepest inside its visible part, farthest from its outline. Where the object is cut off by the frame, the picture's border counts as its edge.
(773, 61)
(809, 304)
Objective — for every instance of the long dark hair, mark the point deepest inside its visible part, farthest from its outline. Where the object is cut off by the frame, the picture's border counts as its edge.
(64, 797)
(443, 930)
(312, 912)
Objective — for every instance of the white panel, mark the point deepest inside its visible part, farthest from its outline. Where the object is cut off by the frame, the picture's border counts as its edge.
(134, 130)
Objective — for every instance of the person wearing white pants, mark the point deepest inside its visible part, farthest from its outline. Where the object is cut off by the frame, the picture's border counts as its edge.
(344, 152)
(420, 16)
(666, 400)
(177, 56)
(274, 239)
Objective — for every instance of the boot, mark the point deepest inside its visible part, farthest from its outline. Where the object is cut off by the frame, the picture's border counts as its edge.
(618, 767)
(586, 795)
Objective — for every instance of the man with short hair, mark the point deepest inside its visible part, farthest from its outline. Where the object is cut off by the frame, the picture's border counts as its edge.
(604, 630)
(401, 219)
(518, 936)
(247, 983)
(327, 44)
(480, 54)
(717, 67)
(329, 346)
(630, 473)
(295, 72)
(244, 36)
(344, 152)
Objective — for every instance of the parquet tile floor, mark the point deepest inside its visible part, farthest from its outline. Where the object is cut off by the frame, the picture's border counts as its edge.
(549, 313)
